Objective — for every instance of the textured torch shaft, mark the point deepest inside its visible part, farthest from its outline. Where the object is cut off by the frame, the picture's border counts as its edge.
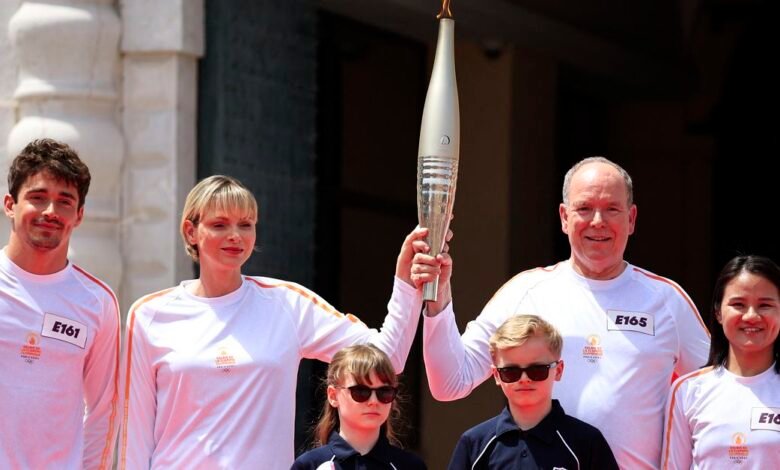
(437, 164)
(436, 179)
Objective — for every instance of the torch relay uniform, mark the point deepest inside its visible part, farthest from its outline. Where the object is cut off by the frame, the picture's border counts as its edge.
(717, 420)
(623, 340)
(211, 381)
(337, 454)
(59, 357)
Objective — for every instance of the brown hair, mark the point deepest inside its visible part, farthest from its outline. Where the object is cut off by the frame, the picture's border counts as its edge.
(215, 192)
(358, 361)
(53, 158)
(517, 329)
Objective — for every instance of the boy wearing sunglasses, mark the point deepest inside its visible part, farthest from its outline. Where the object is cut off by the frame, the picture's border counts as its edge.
(532, 431)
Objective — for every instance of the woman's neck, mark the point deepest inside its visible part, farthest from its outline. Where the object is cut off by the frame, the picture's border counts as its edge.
(749, 364)
(216, 284)
(362, 440)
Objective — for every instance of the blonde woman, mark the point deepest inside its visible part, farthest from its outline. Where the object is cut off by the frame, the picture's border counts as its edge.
(211, 364)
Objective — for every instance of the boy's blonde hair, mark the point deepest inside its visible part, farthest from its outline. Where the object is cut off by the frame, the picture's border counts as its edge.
(516, 330)
(219, 192)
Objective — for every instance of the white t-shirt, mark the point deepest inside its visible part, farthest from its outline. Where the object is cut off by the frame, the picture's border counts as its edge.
(59, 357)
(212, 380)
(718, 420)
(622, 340)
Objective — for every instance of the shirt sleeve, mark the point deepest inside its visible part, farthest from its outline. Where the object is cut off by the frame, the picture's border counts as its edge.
(456, 364)
(322, 330)
(461, 460)
(677, 450)
(101, 390)
(136, 438)
(693, 336)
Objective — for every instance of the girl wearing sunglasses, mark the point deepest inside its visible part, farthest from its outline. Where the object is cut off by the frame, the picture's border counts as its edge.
(728, 413)
(356, 428)
(210, 366)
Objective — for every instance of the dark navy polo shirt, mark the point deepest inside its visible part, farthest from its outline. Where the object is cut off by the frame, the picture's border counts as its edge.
(558, 442)
(382, 457)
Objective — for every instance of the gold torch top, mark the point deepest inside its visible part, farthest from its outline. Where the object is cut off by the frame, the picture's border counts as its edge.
(445, 10)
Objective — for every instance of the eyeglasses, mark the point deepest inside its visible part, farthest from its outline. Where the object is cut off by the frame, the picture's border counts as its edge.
(361, 393)
(536, 372)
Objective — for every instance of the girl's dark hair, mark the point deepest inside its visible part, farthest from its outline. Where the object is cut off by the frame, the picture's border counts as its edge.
(358, 361)
(757, 265)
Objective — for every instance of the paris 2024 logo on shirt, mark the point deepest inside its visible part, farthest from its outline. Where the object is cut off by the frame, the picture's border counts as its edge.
(225, 361)
(31, 349)
(593, 352)
(738, 450)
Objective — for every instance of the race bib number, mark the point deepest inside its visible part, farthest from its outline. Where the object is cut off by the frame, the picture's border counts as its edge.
(618, 320)
(64, 329)
(765, 418)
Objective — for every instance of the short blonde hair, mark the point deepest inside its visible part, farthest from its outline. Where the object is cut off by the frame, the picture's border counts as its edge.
(516, 330)
(218, 192)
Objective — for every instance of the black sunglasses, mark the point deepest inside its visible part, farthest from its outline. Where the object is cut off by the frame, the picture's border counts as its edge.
(536, 372)
(361, 393)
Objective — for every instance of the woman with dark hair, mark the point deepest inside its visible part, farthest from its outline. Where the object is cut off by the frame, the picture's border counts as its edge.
(729, 411)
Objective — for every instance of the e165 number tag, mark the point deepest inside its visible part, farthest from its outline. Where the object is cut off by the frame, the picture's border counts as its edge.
(65, 329)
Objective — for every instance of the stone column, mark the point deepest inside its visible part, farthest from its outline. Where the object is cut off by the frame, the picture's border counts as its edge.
(67, 56)
(8, 81)
(161, 44)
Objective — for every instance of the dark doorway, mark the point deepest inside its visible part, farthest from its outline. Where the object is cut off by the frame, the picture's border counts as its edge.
(371, 90)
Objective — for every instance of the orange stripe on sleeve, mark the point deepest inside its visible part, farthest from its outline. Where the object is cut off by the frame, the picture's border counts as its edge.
(522, 273)
(126, 407)
(671, 409)
(309, 296)
(106, 454)
(679, 291)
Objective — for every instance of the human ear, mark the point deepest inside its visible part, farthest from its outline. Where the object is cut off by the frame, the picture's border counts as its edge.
(494, 371)
(79, 216)
(559, 370)
(8, 205)
(564, 218)
(332, 398)
(189, 232)
(631, 219)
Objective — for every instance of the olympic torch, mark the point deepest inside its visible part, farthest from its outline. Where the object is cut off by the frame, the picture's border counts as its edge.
(437, 162)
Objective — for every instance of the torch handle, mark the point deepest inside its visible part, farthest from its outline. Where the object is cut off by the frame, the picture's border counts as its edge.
(430, 290)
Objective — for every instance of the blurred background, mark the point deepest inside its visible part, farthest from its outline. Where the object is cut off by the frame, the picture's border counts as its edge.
(316, 106)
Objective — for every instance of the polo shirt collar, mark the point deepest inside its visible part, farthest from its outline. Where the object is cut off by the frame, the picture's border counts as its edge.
(544, 431)
(342, 450)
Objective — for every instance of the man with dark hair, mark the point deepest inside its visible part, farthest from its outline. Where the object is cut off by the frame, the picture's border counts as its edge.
(59, 325)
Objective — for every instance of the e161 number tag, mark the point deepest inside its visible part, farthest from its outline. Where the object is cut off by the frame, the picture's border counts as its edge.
(64, 329)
